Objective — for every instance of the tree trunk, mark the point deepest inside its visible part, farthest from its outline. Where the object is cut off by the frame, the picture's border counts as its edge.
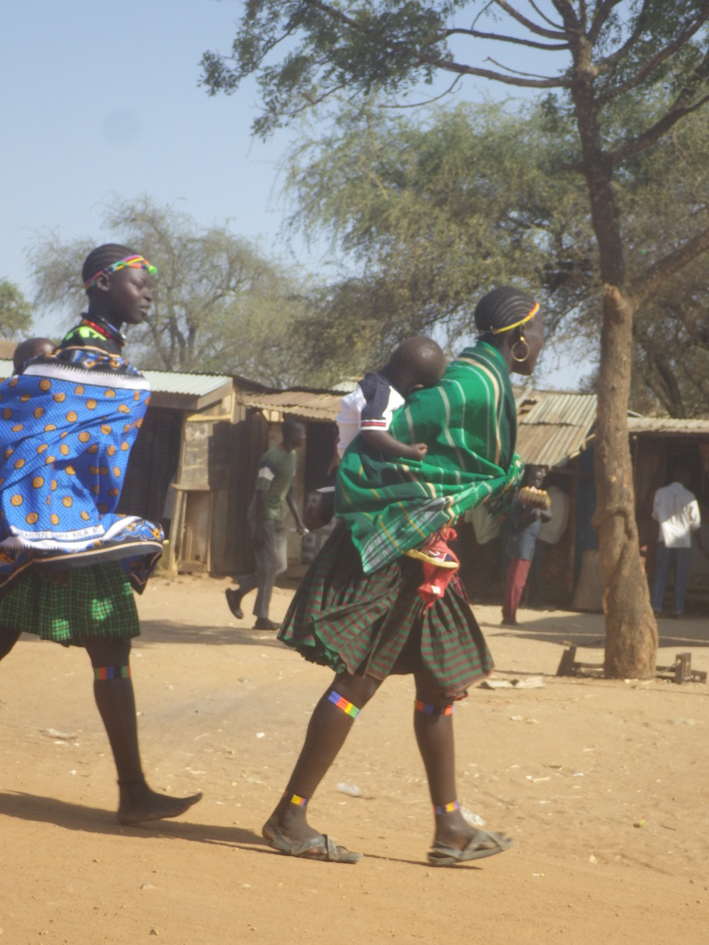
(631, 629)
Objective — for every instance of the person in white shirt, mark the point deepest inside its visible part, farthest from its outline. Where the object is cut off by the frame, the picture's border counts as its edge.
(677, 511)
(416, 364)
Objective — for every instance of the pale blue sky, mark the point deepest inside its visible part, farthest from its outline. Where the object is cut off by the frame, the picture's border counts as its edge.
(103, 98)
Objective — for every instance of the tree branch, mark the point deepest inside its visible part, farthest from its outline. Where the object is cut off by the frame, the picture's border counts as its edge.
(655, 61)
(447, 66)
(429, 101)
(508, 69)
(460, 31)
(651, 280)
(674, 394)
(532, 27)
(611, 61)
(582, 13)
(653, 134)
(546, 18)
(568, 15)
(604, 10)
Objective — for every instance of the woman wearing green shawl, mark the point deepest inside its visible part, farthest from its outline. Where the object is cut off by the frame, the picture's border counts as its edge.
(358, 610)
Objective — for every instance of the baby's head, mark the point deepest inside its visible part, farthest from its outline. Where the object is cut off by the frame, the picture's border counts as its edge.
(30, 348)
(418, 362)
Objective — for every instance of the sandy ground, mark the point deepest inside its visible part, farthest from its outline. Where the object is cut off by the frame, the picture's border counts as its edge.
(603, 784)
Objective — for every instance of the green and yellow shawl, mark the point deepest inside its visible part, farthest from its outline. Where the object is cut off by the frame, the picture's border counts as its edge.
(469, 424)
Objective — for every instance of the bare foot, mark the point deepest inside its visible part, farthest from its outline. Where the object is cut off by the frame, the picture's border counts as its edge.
(139, 803)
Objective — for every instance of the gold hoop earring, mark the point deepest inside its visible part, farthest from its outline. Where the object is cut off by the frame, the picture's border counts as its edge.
(522, 340)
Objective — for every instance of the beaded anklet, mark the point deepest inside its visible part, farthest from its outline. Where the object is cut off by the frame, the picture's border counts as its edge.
(111, 672)
(296, 799)
(429, 709)
(447, 808)
(343, 704)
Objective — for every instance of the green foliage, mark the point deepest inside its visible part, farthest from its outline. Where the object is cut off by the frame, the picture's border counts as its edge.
(15, 311)
(348, 50)
(619, 77)
(671, 349)
(363, 46)
(432, 215)
(434, 212)
(218, 304)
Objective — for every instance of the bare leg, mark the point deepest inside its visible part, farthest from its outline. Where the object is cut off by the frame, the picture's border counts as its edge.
(116, 704)
(434, 736)
(328, 728)
(8, 638)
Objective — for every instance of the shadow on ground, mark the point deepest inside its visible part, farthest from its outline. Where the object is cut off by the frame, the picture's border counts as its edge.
(173, 631)
(587, 630)
(50, 810)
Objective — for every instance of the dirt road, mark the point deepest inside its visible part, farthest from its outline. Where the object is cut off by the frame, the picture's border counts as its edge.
(604, 785)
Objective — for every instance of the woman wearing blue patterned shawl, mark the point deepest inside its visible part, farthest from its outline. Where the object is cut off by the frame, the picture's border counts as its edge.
(358, 608)
(68, 560)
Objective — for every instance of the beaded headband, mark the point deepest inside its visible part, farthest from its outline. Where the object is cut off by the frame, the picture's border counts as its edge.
(130, 262)
(497, 331)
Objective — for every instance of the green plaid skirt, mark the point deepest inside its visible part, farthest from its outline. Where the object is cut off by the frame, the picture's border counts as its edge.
(97, 602)
(375, 624)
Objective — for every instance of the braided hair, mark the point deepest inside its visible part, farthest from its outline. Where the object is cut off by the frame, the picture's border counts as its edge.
(501, 309)
(102, 257)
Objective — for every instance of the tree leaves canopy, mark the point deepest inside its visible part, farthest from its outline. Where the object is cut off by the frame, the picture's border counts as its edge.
(433, 209)
(349, 49)
(15, 311)
(431, 215)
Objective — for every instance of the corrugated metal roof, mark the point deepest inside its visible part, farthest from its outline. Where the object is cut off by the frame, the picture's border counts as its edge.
(312, 405)
(569, 409)
(165, 382)
(667, 425)
(553, 427)
(193, 385)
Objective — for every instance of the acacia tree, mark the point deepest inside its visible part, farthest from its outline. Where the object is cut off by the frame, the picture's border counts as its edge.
(431, 207)
(607, 51)
(431, 213)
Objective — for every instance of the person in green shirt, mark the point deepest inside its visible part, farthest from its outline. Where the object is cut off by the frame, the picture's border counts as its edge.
(274, 486)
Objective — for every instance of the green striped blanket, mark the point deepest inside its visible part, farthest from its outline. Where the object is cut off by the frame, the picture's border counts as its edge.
(469, 424)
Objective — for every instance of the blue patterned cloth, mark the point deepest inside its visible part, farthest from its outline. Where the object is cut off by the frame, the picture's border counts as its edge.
(67, 425)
